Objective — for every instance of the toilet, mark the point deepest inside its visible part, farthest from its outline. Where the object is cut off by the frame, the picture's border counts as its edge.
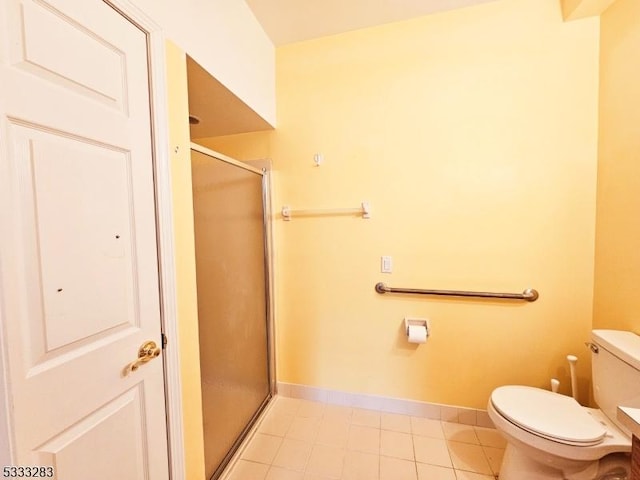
(551, 436)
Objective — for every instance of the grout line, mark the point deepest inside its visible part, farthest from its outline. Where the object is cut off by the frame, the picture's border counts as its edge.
(415, 457)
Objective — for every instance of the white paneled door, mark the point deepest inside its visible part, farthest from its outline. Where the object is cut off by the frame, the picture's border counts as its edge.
(79, 290)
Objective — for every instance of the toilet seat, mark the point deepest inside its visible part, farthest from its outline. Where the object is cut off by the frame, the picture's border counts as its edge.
(549, 415)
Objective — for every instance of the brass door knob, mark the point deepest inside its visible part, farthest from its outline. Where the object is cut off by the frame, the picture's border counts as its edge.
(147, 352)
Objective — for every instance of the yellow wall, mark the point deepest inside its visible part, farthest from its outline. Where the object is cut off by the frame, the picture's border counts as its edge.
(616, 299)
(187, 305)
(473, 133)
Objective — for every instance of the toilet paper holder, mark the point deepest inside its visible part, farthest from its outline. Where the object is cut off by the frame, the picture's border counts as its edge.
(419, 322)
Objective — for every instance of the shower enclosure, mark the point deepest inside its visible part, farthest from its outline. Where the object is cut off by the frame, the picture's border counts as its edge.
(230, 202)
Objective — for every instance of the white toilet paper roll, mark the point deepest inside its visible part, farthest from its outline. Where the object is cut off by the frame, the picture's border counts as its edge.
(417, 334)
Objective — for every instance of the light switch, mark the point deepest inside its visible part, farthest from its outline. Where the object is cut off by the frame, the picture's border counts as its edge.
(386, 264)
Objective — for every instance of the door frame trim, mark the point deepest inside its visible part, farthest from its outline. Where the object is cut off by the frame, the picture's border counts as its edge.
(165, 232)
(166, 254)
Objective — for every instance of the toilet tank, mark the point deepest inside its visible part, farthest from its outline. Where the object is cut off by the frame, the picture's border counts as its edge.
(615, 363)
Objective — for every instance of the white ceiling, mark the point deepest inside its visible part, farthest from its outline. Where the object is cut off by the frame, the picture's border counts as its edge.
(288, 21)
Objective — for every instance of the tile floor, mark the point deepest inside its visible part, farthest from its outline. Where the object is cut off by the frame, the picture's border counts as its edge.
(304, 440)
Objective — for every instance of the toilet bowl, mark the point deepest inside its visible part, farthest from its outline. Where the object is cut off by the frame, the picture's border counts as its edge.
(551, 436)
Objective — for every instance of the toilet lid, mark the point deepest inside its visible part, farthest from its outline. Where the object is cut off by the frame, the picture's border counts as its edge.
(550, 415)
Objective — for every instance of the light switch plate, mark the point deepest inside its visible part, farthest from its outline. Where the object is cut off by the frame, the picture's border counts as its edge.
(386, 264)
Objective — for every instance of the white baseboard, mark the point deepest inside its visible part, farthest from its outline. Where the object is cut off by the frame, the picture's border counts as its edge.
(436, 411)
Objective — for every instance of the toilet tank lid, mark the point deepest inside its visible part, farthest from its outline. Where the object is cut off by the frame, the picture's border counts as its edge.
(624, 345)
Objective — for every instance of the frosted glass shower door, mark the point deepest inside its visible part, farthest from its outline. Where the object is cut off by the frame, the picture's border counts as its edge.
(232, 302)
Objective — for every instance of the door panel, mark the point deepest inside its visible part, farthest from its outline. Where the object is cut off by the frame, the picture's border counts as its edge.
(78, 259)
(91, 445)
(84, 54)
(82, 263)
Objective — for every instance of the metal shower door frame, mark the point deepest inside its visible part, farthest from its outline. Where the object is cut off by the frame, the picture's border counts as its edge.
(263, 169)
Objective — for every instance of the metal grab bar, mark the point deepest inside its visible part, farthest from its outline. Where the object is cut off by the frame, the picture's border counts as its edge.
(530, 294)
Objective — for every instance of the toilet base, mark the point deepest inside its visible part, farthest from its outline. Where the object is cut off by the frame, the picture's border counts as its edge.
(516, 466)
